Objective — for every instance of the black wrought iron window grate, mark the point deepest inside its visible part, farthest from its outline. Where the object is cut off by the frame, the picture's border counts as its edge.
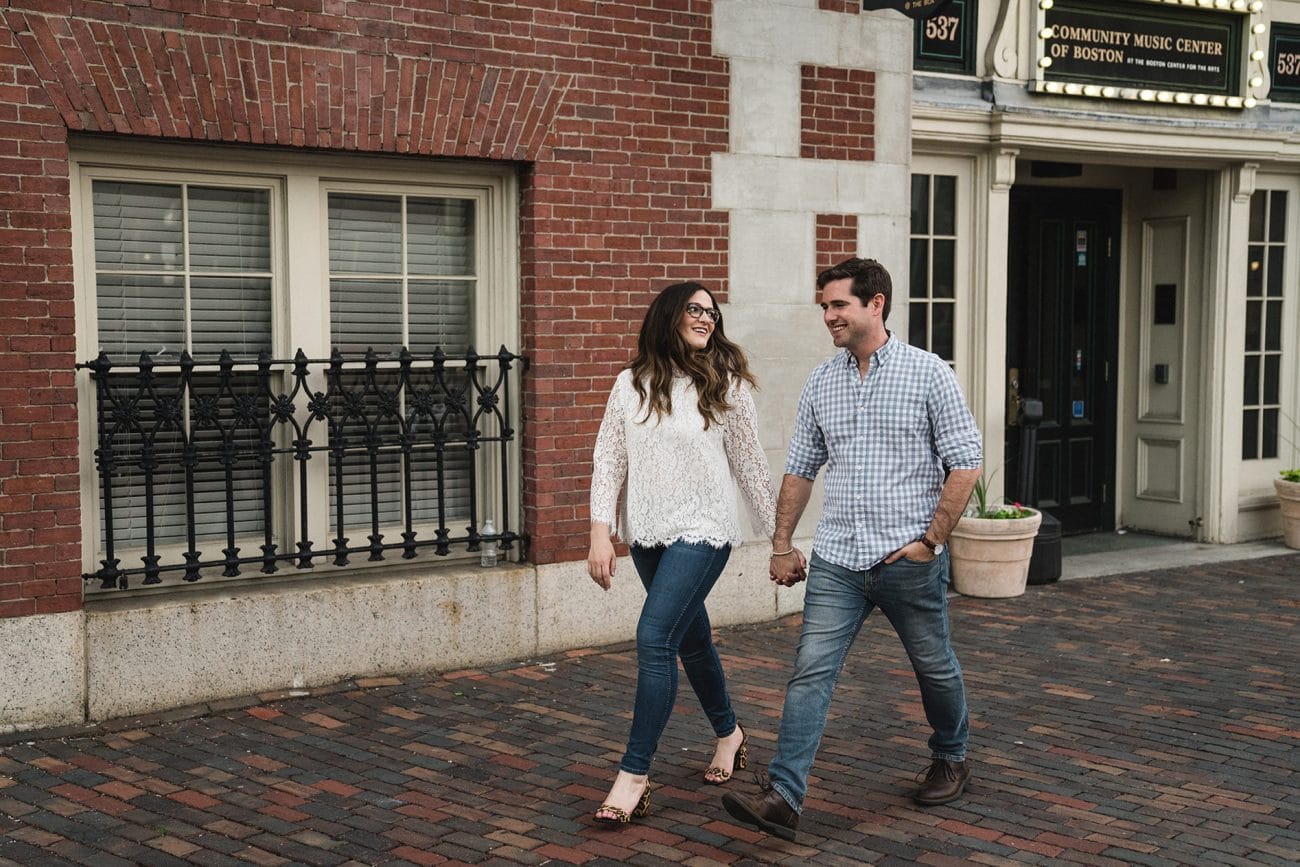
(198, 459)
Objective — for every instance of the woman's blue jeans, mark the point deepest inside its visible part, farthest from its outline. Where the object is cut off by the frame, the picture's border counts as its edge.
(913, 596)
(673, 622)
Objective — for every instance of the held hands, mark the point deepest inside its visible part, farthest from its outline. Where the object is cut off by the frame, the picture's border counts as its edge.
(788, 568)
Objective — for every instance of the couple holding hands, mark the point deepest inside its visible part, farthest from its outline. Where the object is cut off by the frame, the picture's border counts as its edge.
(902, 454)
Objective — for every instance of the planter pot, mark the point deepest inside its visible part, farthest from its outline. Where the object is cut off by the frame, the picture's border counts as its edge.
(990, 556)
(1288, 496)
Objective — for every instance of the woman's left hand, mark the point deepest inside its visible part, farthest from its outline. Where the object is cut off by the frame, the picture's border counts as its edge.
(601, 560)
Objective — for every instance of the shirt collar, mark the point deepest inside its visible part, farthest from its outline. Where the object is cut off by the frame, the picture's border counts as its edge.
(880, 356)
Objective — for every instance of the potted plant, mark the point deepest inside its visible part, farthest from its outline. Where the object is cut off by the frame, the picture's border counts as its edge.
(991, 546)
(1288, 497)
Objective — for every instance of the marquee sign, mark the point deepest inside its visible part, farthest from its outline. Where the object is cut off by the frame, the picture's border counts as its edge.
(910, 8)
(1148, 51)
(1284, 63)
(945, 42)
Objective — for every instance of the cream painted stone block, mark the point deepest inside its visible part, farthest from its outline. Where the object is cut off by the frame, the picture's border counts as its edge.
(880, 40)
(575, 612)
(893, 124)
(149, 654)
(42, 682)
(744, 181)
(796, 31)
(772, 256)
(793, 31)
(765, 107)
(744, 593)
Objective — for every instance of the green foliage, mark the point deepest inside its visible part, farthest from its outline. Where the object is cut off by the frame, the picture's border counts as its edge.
(997, 510)
(1293, 474)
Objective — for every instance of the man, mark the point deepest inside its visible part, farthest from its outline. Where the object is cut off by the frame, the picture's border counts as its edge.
(902, 454)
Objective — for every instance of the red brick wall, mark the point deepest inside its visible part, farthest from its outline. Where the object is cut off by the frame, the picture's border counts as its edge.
(837, 239)
(40, 554)
(852, 7)
(837, 108)
(612, 110)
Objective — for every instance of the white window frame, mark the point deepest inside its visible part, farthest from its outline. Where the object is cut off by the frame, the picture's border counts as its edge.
(965, 337)
(299, 186)
(1257, 474)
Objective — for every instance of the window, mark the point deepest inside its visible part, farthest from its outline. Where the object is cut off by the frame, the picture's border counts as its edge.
(1265, 287)
(932, 294)
(187, 255)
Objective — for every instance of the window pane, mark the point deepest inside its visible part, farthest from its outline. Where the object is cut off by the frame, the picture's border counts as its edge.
(440, 237)
(439, 314)
(920, 204)
(945, 205)
(1276, 270)
(231, 313)
(916, 324)
(137, 226)
(130, 525)
(140, 314)
(229, 229)
(1272, 378)
(943, 283)
(1269, 435)
(1250, 434)
(1258, 203)
(1255, 271)
(942, 330)
(365, 234)
(366, 314)
(920, 280)
(1250, 382)
(1273, 325)
(1277, 216)
(1253, 311)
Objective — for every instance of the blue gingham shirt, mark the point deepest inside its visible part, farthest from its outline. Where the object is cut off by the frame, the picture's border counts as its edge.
(885, 440)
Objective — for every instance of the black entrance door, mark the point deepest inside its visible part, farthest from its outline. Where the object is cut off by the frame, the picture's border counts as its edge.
(1062, 326)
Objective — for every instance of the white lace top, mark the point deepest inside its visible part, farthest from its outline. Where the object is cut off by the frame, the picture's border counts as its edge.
(679, 475)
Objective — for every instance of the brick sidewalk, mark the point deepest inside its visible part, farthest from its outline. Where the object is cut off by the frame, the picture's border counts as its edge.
(1140, 719)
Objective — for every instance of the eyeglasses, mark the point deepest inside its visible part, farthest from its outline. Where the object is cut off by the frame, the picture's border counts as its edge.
(695, 311)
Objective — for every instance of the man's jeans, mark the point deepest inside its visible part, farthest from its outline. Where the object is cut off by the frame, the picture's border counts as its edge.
(677, 579)
(914, 598)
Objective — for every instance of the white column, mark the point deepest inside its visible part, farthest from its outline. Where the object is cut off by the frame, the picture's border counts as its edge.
(989, 389)
(1225, 333)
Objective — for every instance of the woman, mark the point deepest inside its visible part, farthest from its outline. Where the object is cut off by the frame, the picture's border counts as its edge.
(680, 423)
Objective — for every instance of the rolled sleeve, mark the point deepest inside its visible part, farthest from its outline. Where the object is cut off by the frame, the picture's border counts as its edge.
(807, 454)
(956, 435)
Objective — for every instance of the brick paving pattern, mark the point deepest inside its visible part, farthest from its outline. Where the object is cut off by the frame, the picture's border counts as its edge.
(1140, 719)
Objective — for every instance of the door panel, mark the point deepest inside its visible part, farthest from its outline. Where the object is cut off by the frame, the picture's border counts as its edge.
(1061, 338)
(1162, 359)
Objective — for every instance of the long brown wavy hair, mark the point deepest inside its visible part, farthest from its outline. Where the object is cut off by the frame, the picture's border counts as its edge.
(662, 352)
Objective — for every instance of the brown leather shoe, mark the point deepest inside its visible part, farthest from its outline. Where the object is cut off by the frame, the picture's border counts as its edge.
(944, 783)
(770, 813)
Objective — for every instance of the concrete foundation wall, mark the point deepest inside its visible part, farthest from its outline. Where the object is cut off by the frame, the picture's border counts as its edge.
(42, 679)
(153, 653)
